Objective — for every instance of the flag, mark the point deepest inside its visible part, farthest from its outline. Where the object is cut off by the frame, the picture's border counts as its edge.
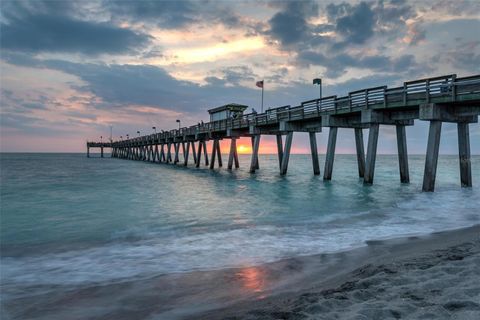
(317, 81)
(259, 84)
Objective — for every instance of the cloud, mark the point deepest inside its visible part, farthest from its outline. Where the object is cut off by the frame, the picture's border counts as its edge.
(336, 42)
(290, 26)
(233, 76)
(165, 14)
(119, 86)
(50, 28)
(355, 23)
(173, 14)
(337, 65)
(53, 33)
(465, 56)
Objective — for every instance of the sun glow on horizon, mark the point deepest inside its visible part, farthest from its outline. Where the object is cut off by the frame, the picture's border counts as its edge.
(243, 149)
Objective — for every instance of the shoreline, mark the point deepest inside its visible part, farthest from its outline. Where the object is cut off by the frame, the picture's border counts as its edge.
(294, 288)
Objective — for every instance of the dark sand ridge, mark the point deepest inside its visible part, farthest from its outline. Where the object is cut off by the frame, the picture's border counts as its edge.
(428, 277)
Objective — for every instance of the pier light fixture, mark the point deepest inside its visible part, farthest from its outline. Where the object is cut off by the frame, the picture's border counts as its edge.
(138, 133)
(128, 136)
(154, 129)
(179, 123)
(121, 137)
(318, 81)
(101, 138)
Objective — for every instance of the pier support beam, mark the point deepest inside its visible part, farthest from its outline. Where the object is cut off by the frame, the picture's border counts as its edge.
(156, 155)
(194, 153)
(280, 150)
(314, 152)
(402, 154)
(186, 152)
(464, 154)
(371, 153)
(216, 153)
(101, 152)
(205, 153)
(332, 140)
(169, 152)
(88, 152)
(233, 156)
(254, 160)
(360, 151)
(199, 154)
(286, 153)
(253, 147)
(177, 151)
(219, 154)
(161, 157)
(432, 155)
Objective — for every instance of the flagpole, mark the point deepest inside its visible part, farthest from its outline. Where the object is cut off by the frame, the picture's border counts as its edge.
(262, 96)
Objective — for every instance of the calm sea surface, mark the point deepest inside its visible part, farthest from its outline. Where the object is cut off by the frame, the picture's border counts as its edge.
(69, 220)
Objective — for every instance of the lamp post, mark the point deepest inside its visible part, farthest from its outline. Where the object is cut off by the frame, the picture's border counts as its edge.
(101, 139)
(154, 129)
(138, 133)
(319, 82)
(121, 138)
(128, 136)
(178, 124)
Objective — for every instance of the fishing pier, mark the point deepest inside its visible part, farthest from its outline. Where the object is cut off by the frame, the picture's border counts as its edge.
(436, 100)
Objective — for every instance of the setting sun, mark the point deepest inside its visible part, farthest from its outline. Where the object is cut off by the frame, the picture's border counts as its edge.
(244, 149)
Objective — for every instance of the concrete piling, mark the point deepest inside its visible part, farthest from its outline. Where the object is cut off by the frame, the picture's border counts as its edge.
(371, 153)
(279, 150)
(360, 151)
(254, 160)
(314, 152)
(286, 153)
(402, 154)
(431, 159)
(332, 140)
(464, 154)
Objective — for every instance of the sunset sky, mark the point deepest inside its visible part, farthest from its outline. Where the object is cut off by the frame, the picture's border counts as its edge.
(70, 70)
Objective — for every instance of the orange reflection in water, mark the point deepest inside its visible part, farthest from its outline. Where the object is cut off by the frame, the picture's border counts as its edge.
(252, 279)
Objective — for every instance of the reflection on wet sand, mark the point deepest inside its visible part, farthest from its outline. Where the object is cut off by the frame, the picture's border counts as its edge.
(253, 280)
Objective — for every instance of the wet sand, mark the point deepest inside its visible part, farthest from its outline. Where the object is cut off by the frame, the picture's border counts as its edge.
(428, 277)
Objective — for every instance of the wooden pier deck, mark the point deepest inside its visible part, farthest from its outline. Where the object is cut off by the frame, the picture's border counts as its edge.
(437, 100)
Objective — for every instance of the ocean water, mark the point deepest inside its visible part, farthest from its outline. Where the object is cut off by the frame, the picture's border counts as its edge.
(72, 221)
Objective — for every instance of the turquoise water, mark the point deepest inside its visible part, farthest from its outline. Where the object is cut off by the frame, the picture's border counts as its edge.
(69, 220)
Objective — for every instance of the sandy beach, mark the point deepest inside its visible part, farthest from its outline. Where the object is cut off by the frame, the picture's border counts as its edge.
(428, 277)
(432, 277)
